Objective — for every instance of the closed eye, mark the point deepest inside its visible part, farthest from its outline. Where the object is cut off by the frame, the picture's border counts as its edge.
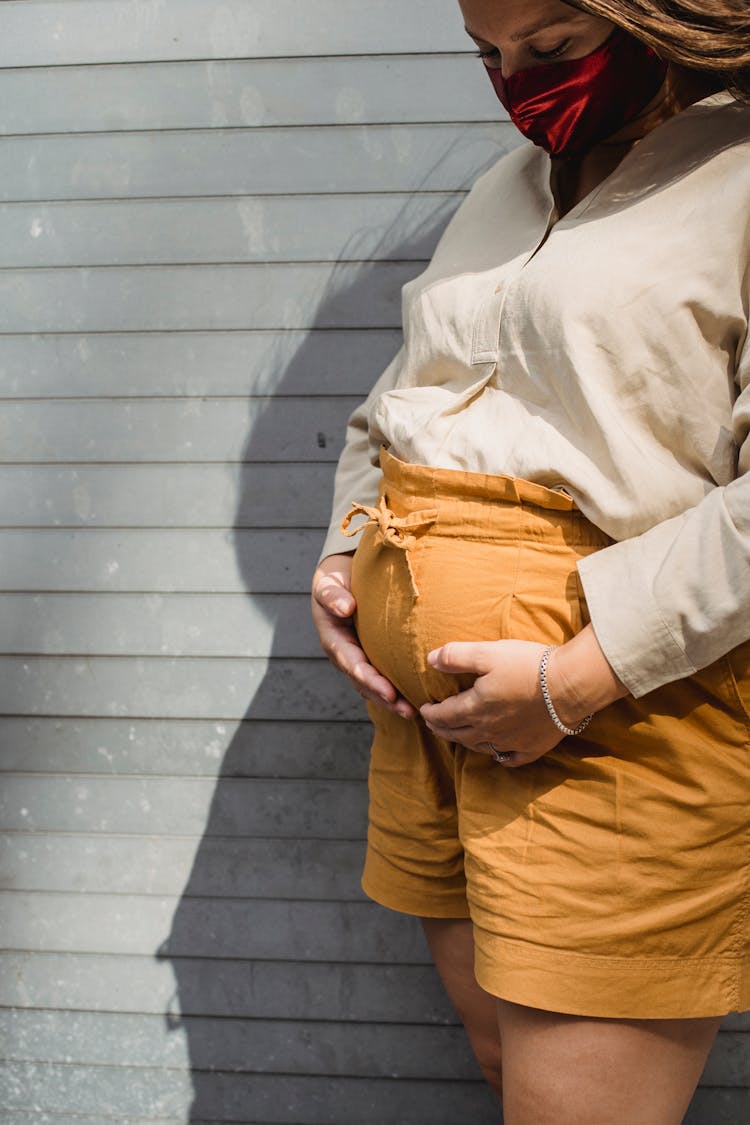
(553, 54)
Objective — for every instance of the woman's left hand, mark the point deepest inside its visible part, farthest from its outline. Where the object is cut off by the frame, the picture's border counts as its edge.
(505, 708)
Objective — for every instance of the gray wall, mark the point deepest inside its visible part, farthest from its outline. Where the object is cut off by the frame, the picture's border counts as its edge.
(208, 211)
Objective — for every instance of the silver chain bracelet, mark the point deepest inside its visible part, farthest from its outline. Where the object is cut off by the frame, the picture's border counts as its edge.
(548, 698)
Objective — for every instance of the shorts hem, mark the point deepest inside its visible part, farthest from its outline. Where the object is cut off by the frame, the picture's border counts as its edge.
(422, 904)
(608, 987)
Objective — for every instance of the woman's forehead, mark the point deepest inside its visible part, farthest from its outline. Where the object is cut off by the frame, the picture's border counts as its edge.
(518, 19)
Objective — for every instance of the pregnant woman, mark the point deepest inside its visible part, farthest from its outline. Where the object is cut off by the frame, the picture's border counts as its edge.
(548, 609)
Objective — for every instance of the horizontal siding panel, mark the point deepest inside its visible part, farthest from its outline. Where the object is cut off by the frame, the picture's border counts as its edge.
(181, 297)
(157, 625)
(303, 869)
(240, 1098)
(187, 430)
(330, 228)
(252, 1047)
(729, 1061)
(120, 747)
(275, 990)
(178, 364)
(61, 1089)
(167, 496)
(30, 1117)
(169, 561)
(346, 158)
(291, 930)
(719, 1107)
(246, 93)
(279, 990)
(166, 687)
(40, 32)
(182, 806)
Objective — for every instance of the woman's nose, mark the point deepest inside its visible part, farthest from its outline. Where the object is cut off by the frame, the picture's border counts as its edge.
(510, 63)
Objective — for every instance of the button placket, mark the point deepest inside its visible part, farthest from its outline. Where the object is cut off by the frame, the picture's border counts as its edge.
(488, 323)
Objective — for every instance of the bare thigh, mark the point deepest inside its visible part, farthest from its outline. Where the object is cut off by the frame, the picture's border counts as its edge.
(558, 1069)
(451, 943)
(570, 1070)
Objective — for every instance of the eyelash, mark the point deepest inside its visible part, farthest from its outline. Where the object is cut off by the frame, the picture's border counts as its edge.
(555, 53)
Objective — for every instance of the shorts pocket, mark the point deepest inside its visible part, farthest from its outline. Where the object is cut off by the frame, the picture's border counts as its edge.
(738, 664)
(582, 603)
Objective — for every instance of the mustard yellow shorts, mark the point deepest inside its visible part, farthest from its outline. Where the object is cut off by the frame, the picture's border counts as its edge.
(612, 876)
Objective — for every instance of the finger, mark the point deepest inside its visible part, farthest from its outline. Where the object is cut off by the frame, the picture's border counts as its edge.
(453, 712)
(350, 659)
(331, 591)
(398, 706)
(464, 736)
(464, 656)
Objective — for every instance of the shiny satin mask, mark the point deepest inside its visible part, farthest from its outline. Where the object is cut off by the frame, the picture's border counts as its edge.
(567, 107)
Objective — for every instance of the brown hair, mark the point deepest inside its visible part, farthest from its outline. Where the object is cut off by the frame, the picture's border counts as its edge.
(708, 35)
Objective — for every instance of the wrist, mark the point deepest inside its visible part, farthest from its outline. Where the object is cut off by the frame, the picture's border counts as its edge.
(581, 680)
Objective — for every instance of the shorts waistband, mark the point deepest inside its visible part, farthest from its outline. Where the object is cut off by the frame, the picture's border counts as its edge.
(459, 484)
(469, 504)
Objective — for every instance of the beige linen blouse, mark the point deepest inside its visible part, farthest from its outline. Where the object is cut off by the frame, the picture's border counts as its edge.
(607, 353)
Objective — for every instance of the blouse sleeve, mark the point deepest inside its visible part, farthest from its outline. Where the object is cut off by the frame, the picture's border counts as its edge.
(358, 473)
(669, 602)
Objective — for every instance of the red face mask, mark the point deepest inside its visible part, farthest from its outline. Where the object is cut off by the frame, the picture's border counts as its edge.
(567, 107)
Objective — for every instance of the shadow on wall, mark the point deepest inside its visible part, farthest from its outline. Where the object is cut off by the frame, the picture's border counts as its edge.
(285, 1001)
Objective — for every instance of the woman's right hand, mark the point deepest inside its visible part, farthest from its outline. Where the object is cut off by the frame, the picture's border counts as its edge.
(333, 607)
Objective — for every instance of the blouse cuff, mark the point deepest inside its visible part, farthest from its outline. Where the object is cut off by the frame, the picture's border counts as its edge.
(627, 619)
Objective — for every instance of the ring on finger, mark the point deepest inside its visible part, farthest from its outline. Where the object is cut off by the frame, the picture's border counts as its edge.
(500, 756)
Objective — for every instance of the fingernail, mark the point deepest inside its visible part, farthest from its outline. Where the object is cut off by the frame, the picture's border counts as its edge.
(432, 657)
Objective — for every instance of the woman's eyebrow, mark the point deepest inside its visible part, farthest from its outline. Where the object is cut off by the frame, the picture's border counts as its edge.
(529, 31)
(542, 25)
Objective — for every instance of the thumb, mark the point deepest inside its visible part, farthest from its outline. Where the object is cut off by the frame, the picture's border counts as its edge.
(333, 593)
(464, 656)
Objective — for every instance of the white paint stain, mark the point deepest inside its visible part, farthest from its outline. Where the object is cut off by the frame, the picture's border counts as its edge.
(252, 217)
(82, 503)
(252, 106)
(112, 566)
(37, 228)
(219, 91)
(235, 30)
(350, 104)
